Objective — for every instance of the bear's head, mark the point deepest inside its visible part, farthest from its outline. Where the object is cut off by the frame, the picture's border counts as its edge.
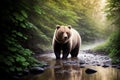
(63, 33)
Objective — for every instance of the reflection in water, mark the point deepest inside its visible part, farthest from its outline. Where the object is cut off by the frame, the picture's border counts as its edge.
(67, 71)
(102, 74)
(59, 70)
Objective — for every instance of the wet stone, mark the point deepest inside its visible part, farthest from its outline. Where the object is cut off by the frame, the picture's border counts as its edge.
(107, 58)
(118, 64)
(98, 64)
(82, 62)
(45, 65)
(82, 66)
(26, 72)
(105, 65)
(36, 70)
(118, 67)
(114, 66)
(90, 71)
(94, 62)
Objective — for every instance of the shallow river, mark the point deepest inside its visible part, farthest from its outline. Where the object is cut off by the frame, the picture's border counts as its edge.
(71, 69)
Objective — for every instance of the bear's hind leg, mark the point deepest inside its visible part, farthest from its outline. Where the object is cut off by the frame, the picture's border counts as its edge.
(74, 52)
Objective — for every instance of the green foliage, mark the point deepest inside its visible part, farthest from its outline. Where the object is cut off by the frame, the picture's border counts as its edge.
(15, 55)
(28, 27)
(102, 47)
(112, 46)
(114, 51)
(113, 11)
(50, 13)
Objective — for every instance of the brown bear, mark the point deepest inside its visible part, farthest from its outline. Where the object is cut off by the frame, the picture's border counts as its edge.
(66, 40)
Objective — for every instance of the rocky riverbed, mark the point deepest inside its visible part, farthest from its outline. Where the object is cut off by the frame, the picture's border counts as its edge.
(85, 58)
(94, 59)
(88, 62)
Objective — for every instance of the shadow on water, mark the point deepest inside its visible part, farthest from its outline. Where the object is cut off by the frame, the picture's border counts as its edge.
(70, 70)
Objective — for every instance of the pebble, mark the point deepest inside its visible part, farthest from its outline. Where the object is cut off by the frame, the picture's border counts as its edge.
(105, 65)
(82, 66)
(82, 62)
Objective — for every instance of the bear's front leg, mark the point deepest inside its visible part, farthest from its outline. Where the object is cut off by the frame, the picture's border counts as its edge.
(75, 51)
(57, 50)
(57, 54)
(66, 51)
(65, 55)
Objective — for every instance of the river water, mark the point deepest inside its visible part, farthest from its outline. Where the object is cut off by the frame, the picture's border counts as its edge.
(71, 69)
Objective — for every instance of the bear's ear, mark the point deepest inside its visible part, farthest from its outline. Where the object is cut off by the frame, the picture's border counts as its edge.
(69, 26)
(57, 26)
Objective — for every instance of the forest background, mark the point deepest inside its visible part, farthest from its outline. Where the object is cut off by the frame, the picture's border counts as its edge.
(27, 28)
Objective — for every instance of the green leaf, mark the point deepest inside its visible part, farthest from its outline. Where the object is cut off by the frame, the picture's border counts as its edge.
(19, 17)
(19, 34)
(9, 63)
(23, 25)
(28, 52)
(13, 49)
(18, 68)
(12, 69)
(25, 63)
(37, 9)
(11, 59)
(25, 37)
(24, 13)
(20, 58)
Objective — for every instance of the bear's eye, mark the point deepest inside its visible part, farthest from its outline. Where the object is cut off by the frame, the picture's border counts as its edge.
(67, 32)
(61, 32)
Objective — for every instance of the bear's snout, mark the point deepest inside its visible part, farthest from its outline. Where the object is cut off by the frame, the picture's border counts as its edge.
(65, 36)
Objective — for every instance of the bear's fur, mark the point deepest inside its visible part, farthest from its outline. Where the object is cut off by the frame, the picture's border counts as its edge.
(66, 40)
